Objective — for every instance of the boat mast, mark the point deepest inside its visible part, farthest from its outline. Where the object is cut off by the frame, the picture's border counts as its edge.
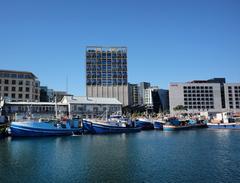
(106, 114)
(56, 112)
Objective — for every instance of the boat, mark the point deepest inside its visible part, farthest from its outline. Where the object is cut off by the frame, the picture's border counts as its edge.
(234, 126)
(158, 124)
(43, 128)
(145, 123)
(175, 124)
(108, 126)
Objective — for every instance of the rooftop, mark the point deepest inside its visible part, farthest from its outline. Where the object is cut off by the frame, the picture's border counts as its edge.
(89, 100)
(18, 72)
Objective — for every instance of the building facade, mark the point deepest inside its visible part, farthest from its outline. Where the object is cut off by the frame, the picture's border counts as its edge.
(152, 99)
(232, 97)
(91, 107)
(142, 87)
(164, 98)
(72, 106)
(212, 95)
(106, 73)
(133, 94)
(19, 86)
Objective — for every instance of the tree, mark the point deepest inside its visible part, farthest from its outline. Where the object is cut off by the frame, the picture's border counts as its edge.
(180, 108)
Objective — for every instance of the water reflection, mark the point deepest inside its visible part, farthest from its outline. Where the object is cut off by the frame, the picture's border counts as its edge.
(152, 156)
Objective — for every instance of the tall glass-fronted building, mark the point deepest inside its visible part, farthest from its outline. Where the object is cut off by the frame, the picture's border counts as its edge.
(106, 73)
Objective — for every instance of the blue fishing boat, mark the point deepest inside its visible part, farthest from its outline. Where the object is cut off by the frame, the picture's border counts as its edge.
(233, 126)
(44, 128)
(101, 127)
(145, 124)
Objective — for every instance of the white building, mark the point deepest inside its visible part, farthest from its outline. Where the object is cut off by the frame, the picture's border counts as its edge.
(196, 97)
(91, 106)
(200, 96)
(232, 97)
(70, 105)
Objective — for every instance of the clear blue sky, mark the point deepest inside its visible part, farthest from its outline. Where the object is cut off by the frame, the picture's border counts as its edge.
(167, 40)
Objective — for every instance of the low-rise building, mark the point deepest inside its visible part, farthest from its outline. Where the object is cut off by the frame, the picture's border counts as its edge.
(91, 107)
(19, 86)
(72, 106)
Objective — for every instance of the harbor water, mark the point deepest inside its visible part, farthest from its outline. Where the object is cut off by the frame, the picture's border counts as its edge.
(201, 155)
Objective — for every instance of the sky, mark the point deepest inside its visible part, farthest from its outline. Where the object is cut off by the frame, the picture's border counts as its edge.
(167, 40)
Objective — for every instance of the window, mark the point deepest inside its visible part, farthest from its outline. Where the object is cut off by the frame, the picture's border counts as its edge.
(6, 88)
(13, 82)
(13, 88)
(19, 95)
(27, 83)
(27, 96)
(20, 82)
(0, 81)
(13, 95)
(5, 94)
(27, 89)
(20, 89)
(6, 81)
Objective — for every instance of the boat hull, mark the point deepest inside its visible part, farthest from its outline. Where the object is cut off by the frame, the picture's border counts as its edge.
(144, 125)
(18, 130)
(158, 125)
(175, 128)
(224, 126)
(96, 128)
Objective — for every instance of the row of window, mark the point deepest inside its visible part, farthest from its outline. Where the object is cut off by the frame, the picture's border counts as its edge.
(104, 68)
(236, 91)
(198, 95)
(108, 72)
(236, 94)
(20, 89)
(231, 103)
(102, 61)
(14, 75)
(106, 83)
(198, 103)
(231, 99)
(198, 99)
(198, 87)
(235, 87)
(104, 76)
(20, 95)
(14, 82)
(93, 55)
(37, 108)
(198, 91)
